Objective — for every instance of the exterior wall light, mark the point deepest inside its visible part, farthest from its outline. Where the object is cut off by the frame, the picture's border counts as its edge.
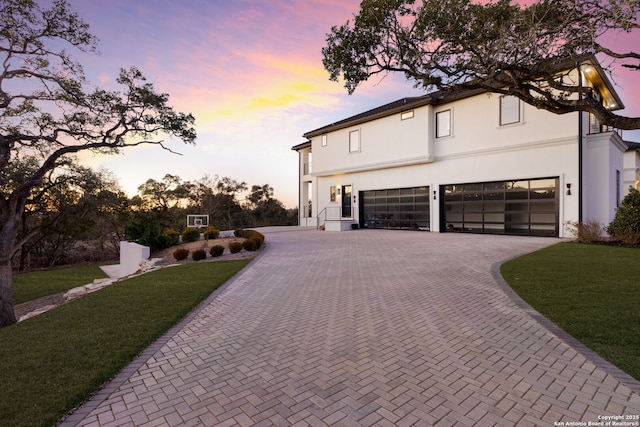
(568, 189)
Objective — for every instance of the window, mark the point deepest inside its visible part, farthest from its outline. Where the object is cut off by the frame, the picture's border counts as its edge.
(406, 115)
(354, 141)
(324, 140)
(443, 123)
(509, 110)
(333, 193)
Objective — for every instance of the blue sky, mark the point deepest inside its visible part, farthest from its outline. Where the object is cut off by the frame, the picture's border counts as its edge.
(251, 73)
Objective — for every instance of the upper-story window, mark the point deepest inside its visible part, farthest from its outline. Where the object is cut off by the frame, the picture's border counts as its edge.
(406, 115)
(323, 139)
(509, 110)
(354, 141)
(443, 123)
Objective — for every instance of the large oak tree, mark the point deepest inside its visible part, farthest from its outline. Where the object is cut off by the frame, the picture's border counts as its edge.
(498, 46)
(47, 113)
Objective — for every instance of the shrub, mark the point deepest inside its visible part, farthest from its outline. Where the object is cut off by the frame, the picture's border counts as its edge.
(238, 232)
(216, 250)
(180, 254)
(199, 254)
(173, 235)
(587, 232)
(626, 224)
(190, 234)
(249, 245)
(257, 241)
(235, 247)
(258, 237)
(247, 233)
(211, 233)
(631, 238)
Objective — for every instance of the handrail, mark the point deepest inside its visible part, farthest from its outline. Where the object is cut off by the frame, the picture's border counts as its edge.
(318, 218)
(330, 213)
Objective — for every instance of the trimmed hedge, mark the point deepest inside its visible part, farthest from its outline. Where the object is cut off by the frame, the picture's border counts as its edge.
(216, 251)
(258, 238)
(250, 245)
(199, 254)
(190, 234)
(180, 254)
(211, 233)
(235, 247)
(173, 235)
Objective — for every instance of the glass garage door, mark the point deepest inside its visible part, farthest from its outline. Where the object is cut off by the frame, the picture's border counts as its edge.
(524, 207)
(399, 208)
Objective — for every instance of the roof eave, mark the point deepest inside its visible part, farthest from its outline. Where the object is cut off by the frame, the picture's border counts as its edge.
(306, 144)
(390, 109)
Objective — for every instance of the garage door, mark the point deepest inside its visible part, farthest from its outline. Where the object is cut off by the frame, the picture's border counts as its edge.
(398, 208)
(524, 207)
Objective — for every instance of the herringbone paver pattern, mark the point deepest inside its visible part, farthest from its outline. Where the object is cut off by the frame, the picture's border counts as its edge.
(365, 328)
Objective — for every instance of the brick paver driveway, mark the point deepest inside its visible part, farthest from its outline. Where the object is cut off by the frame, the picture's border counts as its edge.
(364, 328)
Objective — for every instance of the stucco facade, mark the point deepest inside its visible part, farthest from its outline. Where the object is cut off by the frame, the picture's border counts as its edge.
(470, 162)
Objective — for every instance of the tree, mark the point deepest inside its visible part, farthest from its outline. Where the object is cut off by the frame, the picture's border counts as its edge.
(260, 194)
(146, 228)
(266, 210)
(47, 114)
(500, 47)
(164, 195)
(227, 191)
(73, 204)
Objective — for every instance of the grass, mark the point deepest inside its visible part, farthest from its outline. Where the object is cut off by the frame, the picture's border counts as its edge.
(30, 286)
(52, 362)
(590, 291)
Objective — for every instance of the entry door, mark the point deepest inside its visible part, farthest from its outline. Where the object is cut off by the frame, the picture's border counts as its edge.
(346, 201)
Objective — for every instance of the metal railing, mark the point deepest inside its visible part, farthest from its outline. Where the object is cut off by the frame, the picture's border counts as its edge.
(330, 213)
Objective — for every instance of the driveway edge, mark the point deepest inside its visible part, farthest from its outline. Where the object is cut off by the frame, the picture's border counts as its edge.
(591, 355)
(76, 415)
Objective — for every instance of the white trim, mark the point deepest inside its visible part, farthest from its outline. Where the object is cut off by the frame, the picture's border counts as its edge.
(376, 166)
(509, 148)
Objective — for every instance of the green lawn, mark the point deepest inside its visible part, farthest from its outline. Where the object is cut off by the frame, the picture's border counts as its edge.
(30, 286)
(590, 291)
(52, 362)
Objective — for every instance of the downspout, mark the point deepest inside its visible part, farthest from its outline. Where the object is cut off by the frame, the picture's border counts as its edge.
(300, 171)
(580, 148)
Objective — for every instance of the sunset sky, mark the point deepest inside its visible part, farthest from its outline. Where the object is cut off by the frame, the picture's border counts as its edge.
(251, 73)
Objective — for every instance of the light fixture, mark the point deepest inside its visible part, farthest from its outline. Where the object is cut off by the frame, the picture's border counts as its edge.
(568, 189)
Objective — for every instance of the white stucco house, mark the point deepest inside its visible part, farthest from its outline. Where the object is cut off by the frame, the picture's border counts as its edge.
(467, 162)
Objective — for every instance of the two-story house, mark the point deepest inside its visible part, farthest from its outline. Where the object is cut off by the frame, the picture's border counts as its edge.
(470, 161)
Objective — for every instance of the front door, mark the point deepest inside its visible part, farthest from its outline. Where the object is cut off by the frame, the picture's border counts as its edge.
(346, 201)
